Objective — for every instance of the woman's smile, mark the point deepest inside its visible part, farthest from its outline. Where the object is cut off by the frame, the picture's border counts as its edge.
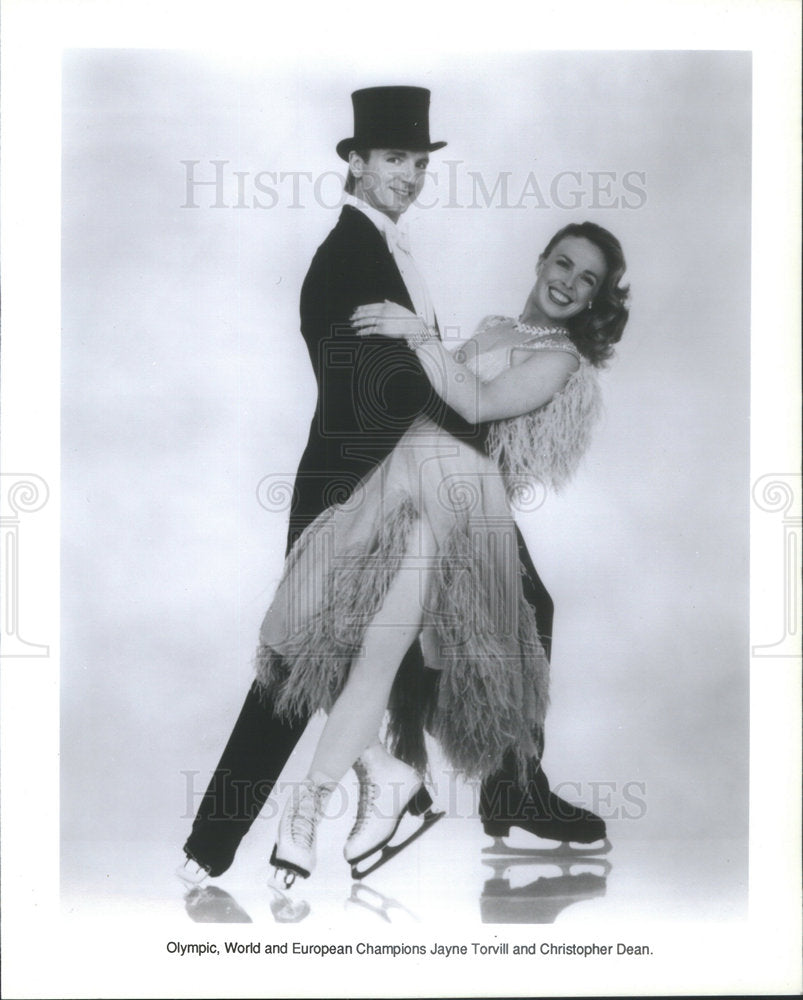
(568, 279)
(559, 297)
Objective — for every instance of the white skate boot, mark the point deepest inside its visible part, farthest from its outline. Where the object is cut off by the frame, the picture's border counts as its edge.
(389, 789)
(294, 851)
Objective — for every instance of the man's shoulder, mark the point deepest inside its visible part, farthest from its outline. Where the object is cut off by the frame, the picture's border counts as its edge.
(353, 228)
(354, 245)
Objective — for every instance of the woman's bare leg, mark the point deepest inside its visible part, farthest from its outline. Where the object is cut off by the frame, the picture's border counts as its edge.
(356, 716)
(353, 724)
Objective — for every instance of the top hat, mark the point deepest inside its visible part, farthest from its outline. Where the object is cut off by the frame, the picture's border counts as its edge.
(390, 118)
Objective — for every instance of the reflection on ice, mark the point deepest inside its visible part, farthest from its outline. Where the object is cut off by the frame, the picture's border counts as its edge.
(383, 906)
(285, 909)
(212, 905)
(525, 891)
(445, 873)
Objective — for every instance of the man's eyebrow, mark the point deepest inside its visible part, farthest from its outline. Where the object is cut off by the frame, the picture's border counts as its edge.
(407, 152)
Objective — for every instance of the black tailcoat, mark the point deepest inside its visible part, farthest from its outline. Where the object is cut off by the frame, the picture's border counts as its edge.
(370, 389)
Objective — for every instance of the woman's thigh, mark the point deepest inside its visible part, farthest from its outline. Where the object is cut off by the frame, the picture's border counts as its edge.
(399, 620)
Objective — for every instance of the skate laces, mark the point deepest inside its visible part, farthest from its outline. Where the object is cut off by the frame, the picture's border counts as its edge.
(368, 793)
(304, 817)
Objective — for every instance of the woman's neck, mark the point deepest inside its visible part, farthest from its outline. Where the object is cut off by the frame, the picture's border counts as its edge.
(534, 317)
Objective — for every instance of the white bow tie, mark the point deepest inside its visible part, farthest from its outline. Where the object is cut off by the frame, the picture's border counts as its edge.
(399, 239)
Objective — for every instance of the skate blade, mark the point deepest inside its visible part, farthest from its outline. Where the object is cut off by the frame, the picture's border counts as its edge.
(515, 867)
(285, 872)
(562, 849)
(191, 873)
(365, 865)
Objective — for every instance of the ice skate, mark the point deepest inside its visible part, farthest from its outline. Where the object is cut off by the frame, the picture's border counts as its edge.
(559, 851)
(508, 865)
(520, 820)
(294, 851)
(191, 872)
(389, 790)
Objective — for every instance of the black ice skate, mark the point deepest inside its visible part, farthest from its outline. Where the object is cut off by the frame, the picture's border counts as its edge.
(192, 872)
(539, 814)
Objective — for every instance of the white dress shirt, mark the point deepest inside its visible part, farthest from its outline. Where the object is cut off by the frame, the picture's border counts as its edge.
(398, 244)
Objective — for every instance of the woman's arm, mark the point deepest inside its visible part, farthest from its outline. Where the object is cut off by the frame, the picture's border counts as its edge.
(517, 390)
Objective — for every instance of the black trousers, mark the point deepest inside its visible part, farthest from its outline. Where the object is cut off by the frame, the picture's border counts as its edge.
(261, 744)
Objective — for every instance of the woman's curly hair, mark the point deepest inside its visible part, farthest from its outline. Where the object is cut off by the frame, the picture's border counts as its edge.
(596, 330)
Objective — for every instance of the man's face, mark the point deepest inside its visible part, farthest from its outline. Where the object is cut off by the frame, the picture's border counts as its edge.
(390, 179)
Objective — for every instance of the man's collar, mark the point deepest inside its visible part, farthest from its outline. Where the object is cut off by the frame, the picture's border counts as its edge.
(394, 234)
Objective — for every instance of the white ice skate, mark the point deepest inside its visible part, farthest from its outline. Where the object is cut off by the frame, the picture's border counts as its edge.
(389, 789)
(294, 851)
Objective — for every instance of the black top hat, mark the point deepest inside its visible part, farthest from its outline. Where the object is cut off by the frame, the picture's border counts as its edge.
(390, 118)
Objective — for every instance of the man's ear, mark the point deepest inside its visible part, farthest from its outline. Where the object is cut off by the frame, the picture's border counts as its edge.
(539, 264)
(356, 163)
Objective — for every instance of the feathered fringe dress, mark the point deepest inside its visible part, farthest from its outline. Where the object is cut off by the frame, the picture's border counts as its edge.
(478, 630)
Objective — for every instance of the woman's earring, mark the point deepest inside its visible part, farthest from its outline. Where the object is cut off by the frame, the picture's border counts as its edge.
(590, 304)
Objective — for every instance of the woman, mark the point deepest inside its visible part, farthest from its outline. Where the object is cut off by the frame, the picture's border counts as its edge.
(426, 548)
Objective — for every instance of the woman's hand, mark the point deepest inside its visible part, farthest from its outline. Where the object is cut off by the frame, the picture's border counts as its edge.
(388, 319)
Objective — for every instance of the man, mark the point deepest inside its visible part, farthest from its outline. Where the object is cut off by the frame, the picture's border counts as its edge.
(370, 389)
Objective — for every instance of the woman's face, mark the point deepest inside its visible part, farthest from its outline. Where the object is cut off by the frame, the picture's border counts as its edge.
(568, 278)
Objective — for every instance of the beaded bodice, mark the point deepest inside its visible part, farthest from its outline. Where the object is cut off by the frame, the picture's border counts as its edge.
(503, 342)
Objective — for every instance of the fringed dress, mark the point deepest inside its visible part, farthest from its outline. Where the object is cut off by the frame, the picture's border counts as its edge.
(478, 630)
